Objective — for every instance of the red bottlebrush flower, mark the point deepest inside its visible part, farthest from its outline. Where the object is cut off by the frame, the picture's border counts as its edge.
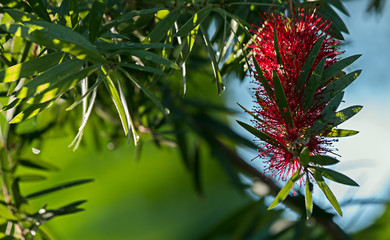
(295, 38)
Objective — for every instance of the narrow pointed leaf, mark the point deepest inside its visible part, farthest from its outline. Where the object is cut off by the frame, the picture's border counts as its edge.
(59, 87)
(44, 80)
(29, 68)
(285, 190)
(262, 79)
(345, 114)
(323, 160)
(336, 133)
(328, 193)
(55, 36)
(194, 21)
(332, 70)
(162, 28)
(95, 19)
(153, 58)
(37, 164)
(281, 100)
(325, 117)
(142, 68)
(116, 100)
(30, 178)
(31, 111)
(304, 157)
(312, 85)
(307, 66)
(147, 92)
(337, 4)
(262, 136)
(57, 188)
(335, 176)
(214, 64)
(341, 83)
(277, 52)
(20, 16)
(308, 198)
(40, 9)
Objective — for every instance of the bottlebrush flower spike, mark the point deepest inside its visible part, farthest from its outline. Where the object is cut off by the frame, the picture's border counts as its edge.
(300, 86)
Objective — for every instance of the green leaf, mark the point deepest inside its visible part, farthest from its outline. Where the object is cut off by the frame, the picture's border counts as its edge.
(335, 176)
(162, 28)
(147, 92)
(124, 46)
(57, 88)
(47, 78)
(95, 19)
(345, 114)
(214, 64)
(307, 66)
(31, 111)
(308, 198)
(337, 4)
(20, 16)
(74, 12)
(127, 17)
(277, 52)
(58, 188)
(285, 190)
(262, 79)
(262, 136)
(304, 157)
(153, 58)
(55, 36)
(335, 68)
(326, 116)
(194, 21)
(32, 67)
(30, 178)
(142, 68)
(37, 164)
(40, 9)
(312, 86)
(341, 83)
(281, 100)
(323, 160)
(91, 89)
(328, 193)
(336, 133)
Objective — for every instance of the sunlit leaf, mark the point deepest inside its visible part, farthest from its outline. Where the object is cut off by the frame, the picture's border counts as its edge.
(304, 157)
(308, 198)
(336, 133)
(285, 190)
(162, 28)
(31, 67)
(335, 68)
(196, 19)
(46, 79)
(345, 114)
(55, 36)
(31, 111)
